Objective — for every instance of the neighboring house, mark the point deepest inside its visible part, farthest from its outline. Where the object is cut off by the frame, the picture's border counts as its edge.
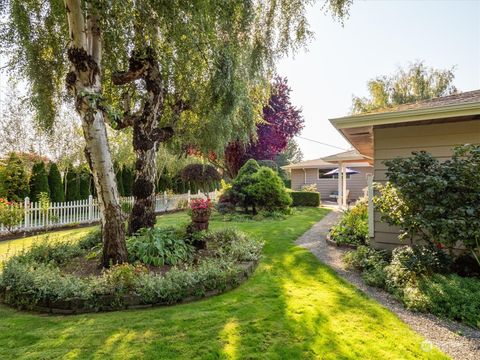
(315, 172)
(435, 125)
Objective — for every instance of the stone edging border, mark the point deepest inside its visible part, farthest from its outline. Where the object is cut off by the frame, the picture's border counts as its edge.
(331, 242)
(131, 301)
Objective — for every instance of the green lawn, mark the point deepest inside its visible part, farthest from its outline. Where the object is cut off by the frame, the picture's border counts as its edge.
(292, 308)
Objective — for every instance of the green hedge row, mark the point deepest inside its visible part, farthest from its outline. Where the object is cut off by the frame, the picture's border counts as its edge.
(305, 198)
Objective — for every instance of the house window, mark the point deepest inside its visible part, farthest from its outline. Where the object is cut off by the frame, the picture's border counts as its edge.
(322, 174)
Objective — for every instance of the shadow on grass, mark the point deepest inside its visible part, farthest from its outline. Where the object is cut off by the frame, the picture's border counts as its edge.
(293, 307)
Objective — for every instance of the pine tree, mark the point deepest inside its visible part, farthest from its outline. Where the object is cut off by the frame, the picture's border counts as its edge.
(127, 179)
(15, 179)
(55, 184)
(38, 181)
(72, 184)
(84, 179)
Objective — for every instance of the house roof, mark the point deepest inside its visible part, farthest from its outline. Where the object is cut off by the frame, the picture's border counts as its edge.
(331, 161)
(358, 129)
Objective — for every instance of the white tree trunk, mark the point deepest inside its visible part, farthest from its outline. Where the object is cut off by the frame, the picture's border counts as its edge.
(84, 82)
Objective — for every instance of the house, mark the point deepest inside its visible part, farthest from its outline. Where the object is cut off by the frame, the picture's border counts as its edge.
(435, 126)
(333, 175)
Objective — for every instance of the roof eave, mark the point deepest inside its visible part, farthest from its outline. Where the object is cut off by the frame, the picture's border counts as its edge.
(395, 117)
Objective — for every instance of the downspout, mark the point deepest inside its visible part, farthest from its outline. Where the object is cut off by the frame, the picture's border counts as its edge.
(304, 176)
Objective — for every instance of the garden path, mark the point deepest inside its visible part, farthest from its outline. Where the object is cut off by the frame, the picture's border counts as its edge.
(442, 333)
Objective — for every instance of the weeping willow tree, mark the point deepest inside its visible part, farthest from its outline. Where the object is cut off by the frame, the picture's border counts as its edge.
(178, 71)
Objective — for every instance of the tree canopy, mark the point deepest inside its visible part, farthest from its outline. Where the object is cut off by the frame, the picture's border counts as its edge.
(281, 122)
(415, 83)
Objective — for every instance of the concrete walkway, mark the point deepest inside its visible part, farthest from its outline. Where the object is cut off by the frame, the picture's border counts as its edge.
(441, 333)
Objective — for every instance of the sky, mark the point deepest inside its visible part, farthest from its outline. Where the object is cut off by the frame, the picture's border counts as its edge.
(378, 37)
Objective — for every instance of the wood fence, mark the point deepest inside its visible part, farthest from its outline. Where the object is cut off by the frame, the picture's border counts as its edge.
(59, 214)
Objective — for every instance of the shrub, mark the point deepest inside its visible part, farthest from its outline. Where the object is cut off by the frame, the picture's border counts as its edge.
(38, 181)
(47, 252)
(159, 246)
(29, 283)
(411, 262)
(55, 184)
(439, 201)
(353, 225)
(269, 191)
(305, 198)
(91, 240)
(15, 179)
(371, 262)
(234, 245)
(72, 184)
(309, 188)
(241, 192)
(11, 214)
(452, 297)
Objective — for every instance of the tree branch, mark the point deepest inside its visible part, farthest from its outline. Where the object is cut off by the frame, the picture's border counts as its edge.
(162, 134)
(125, 77)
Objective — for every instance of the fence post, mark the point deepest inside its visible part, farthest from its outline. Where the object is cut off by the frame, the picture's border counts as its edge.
(90, 208)
(188, 196)
(26, 207)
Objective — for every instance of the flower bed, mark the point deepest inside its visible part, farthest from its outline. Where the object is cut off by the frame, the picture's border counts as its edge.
(37, 279)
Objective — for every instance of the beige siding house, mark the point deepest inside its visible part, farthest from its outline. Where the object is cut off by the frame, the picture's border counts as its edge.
(313, 172)
(436, 126)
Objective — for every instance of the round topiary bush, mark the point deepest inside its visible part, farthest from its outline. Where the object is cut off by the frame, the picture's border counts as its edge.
(165, 269)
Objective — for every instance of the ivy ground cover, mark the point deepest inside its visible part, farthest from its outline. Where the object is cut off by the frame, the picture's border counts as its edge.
(293, 307)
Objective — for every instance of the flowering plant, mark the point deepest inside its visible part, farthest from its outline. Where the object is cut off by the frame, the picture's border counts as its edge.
(11, 214)
(200, 208)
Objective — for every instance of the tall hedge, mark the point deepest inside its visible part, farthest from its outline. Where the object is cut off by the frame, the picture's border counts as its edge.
(55, 184)
(38, 181)
(72, 184)
(119, 178)
(84, 183)
(127, 180)
(15, 179)
(305, 198)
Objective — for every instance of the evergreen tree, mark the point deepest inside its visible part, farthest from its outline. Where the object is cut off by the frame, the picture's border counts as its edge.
(38, 181)
(55, 184)
(84, 183)
(72, 184)
(119, 177)
(15, 179)
(127, 179)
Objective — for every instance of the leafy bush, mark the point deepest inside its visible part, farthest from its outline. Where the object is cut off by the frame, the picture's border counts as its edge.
(91, 240)
(411, 262)
(256, 187)
(353, 225)
(371, 262)
(159, 246)
(234, 245)
(47, 252)
(305, 198)
(309, 188)
(29, 283)
(438, 201)
(413, 276)
(269, 191)
(11, 214)
(453, 297)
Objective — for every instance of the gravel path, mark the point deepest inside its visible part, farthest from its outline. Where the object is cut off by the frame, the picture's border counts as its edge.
(441, 333)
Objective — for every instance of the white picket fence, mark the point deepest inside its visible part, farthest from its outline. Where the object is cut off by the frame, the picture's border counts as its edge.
(85, 211)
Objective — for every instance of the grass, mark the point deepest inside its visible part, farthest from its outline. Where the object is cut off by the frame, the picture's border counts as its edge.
(292, 308)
